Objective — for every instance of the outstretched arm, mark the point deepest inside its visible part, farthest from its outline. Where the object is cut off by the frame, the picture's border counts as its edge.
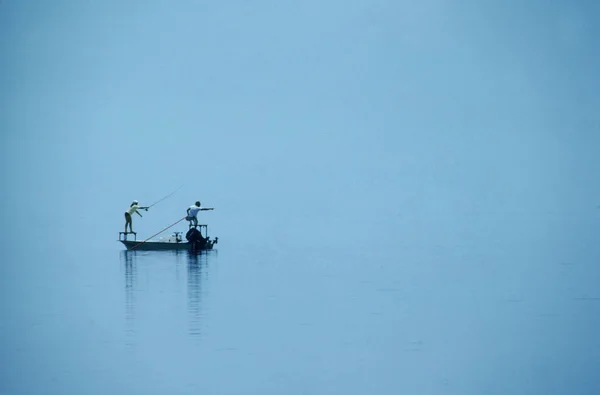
(207, 208)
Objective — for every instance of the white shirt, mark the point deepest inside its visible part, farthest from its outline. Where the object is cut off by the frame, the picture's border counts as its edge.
(131, 210)
(194, 210)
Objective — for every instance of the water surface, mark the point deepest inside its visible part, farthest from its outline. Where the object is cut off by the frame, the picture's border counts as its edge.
(433, 315)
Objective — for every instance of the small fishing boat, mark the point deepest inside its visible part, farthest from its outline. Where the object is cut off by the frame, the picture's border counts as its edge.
(194, 241)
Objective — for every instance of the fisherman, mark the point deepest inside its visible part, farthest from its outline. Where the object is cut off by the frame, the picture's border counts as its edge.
(192, 213)
(130, 211)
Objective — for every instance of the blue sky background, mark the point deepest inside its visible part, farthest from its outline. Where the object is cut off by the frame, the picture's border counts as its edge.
(289, 113)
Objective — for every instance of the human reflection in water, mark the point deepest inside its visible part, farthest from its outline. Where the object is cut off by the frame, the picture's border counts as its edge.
(196, 269)
(128, 259)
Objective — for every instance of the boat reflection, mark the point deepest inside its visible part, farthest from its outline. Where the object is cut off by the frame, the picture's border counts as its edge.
(130, 270)
(164, 280)
(197, 267)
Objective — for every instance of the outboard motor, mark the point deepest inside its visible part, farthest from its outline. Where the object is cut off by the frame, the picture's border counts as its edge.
(194, 237)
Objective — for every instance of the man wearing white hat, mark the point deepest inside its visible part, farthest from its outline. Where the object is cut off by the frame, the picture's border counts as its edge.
(130, 211)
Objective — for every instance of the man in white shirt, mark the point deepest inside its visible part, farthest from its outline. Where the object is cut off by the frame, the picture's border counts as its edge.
(192, 212)
(130, 211)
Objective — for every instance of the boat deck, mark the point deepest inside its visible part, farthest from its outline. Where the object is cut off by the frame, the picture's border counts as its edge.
(174, 242)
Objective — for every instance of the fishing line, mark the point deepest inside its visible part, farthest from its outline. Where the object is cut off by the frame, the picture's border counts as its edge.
(166, 196)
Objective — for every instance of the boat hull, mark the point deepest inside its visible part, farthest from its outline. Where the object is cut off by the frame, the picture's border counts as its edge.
(160, 245)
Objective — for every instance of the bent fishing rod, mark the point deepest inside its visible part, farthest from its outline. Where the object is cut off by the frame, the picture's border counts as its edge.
(170, 194)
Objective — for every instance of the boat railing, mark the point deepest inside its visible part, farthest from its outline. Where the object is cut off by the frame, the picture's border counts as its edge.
(123, 235)
(205, 227)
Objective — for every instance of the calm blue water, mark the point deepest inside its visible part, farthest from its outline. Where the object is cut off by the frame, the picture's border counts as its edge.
(509, 306)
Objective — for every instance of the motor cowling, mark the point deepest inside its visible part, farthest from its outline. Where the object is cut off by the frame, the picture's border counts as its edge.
(194, 237)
